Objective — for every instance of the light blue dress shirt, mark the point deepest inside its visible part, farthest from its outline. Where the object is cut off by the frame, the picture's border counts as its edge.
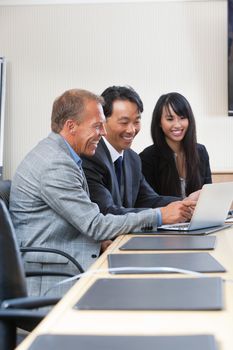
(73, 154)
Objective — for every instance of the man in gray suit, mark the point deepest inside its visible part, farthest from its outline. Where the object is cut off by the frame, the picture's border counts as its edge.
(49, 200)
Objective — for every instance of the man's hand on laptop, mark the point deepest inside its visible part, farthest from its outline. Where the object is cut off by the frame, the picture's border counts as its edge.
(179, 211)
(193, 196)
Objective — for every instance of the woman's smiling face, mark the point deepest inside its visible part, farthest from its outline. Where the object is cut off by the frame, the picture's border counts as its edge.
(174, 126)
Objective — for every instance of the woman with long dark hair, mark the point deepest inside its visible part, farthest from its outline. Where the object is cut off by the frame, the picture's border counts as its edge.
(175, 164)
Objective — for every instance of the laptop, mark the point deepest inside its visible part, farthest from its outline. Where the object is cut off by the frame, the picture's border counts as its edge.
(211, 209)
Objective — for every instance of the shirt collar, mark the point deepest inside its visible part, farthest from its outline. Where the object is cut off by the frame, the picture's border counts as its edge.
(113, 152)
(73, 154)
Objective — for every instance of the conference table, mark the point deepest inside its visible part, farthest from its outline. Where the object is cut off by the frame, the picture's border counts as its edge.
(64, 319)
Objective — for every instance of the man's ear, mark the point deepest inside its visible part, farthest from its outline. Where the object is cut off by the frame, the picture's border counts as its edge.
(70, 125)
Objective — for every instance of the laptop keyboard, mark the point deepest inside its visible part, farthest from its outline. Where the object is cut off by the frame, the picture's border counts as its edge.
(180, 226)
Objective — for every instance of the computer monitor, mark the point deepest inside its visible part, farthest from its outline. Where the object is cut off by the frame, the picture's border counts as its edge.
(230, 57)
(2, 109)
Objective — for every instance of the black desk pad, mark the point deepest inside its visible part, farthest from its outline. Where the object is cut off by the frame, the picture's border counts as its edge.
(153, 294)
(170, 243)
(198, 262)
(90, 342)
(200, 232)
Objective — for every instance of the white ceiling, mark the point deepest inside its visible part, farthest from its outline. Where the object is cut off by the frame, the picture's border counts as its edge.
(50, 2)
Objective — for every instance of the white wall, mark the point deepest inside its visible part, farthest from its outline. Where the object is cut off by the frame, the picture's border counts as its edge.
(156, 47)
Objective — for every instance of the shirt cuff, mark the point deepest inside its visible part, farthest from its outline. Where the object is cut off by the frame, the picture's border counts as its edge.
(158, 217)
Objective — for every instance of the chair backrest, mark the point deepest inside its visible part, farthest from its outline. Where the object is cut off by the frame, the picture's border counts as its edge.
(5, 187)
(12, 276)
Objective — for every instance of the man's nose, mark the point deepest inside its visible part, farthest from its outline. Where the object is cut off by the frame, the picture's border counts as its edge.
(131, 128)
(103, 131)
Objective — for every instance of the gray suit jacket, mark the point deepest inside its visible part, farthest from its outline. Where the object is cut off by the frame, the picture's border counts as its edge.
(104, 189)
(50, 207)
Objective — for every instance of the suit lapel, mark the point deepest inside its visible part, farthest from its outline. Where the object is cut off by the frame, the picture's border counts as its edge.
(85, 185)
(104, 154)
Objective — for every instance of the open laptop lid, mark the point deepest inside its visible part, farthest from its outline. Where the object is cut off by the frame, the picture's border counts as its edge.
(211, 209)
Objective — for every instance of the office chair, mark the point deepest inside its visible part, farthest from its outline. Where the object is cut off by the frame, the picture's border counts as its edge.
(5, 186)
(15, 303)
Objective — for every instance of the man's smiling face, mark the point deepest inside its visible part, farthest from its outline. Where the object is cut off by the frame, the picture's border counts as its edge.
(123, 124)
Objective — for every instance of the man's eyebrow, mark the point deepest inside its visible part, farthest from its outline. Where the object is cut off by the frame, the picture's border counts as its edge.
(127, 118)
(123, 117)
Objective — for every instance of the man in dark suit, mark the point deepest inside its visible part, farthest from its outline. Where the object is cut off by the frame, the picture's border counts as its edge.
(122, 109)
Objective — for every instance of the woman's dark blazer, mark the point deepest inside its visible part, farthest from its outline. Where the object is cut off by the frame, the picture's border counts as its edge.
(155, 166)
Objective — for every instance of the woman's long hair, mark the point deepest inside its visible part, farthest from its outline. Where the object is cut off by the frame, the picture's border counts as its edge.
(170, 182)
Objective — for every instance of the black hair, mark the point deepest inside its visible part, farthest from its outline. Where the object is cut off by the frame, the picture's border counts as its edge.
(171, 182)
(125, 93)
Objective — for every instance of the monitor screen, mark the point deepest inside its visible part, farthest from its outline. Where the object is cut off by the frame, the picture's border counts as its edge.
(2, 108)
(230, 57)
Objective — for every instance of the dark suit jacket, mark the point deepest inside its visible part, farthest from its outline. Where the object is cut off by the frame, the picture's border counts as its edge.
(103, 185)
(155, 166)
